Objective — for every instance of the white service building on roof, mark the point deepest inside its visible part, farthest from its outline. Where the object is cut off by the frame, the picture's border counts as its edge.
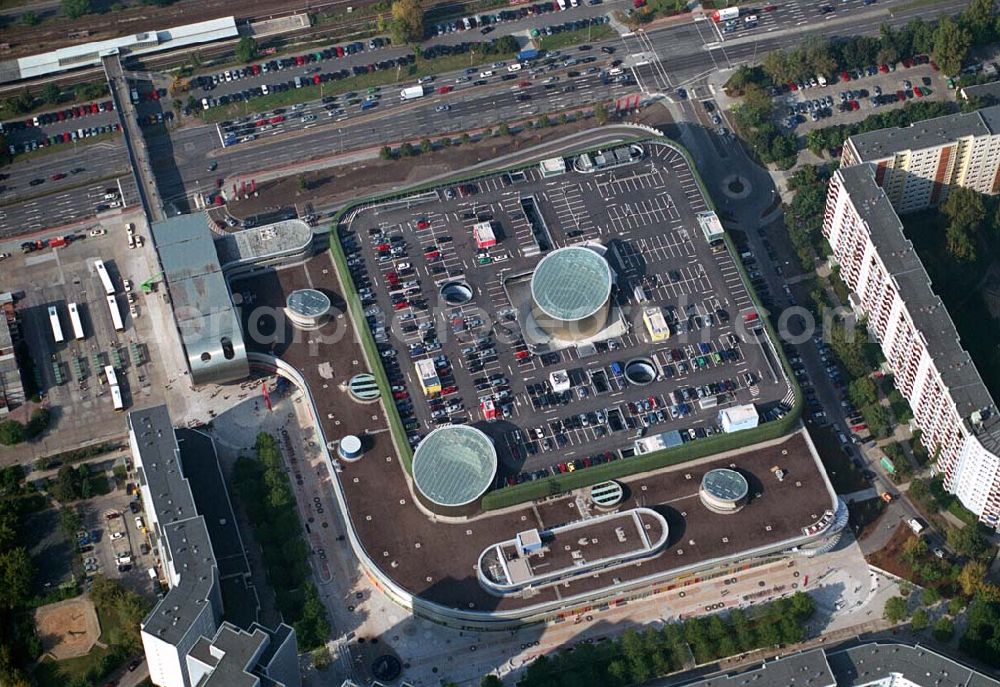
(739, 417)
(484, 235)
(552, 167)
(710, 225)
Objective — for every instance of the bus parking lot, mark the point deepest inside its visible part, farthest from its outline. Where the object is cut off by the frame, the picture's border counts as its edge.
(565, 409)
(70, 371)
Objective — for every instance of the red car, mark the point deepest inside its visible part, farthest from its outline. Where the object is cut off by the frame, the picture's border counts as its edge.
(60, 116)
(522, 355)
(299, 60)
(523, 84)
(652, 402)
(844, 76)
(260, 122)
(907, 62)
(445, 89)
(917, 92)
(400, 395)
(900, 96)
(400, 305)
(340, 51)
(277, 119)
(448, 390)
(792, 86)
(432, 255)
(423, 224)
(316, 79)
(66, 137)
(94, 109)
(57, 176)
(382, 247)
(855, 105)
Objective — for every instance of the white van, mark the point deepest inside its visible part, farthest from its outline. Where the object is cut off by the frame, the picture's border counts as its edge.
(615, 71)
(516, 67)
(485, 75)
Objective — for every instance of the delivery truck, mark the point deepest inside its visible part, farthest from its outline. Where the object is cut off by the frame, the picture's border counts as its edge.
(725, 14)
(411, 93)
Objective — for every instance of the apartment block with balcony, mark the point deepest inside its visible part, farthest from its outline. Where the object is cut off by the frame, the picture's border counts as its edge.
(916, 165)
(951, 405)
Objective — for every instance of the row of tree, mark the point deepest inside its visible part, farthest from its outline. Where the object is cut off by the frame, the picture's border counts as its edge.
(263, 489)
(640, 656)
(19, 643)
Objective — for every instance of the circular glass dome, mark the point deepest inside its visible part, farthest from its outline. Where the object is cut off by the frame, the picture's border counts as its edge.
(725, 484)
(571, 283)
(454, 465)
(308, 303)
(456, 293)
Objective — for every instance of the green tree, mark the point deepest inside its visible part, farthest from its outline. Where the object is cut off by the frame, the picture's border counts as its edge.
(779, 66)
(491, 681)
(465, 137)
(981, 639)
(11, 432)
(507, 44)
(37, 423)
(246, 49)
(503, 129)
(920, 620)
(754, 110)
(951, 45)
(961, 243)
(407, 21)
(385, 153)
(29, 18)
(895, 609)
(862, 392)
(969, 541)
(601, 113)
(944, 629)
(74, 9)
(321, 657)
(425, 145)
(955, 605)
(980, 19)
(16, 573)
(70, 521)
(406, 150)
(930, 596)
(819, 55)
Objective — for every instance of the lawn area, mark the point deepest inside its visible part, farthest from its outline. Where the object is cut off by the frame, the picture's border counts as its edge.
(410, 73)
(845, 477)
(556, 41)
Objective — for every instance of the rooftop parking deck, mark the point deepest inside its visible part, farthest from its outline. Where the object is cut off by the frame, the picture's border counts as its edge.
(485, 346)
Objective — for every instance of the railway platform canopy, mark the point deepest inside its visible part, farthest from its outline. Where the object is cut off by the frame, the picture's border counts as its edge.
(143, 43)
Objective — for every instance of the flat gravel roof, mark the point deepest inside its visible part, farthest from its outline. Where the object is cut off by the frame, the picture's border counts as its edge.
(571, 283)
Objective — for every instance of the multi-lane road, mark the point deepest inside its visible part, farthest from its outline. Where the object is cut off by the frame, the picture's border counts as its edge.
(663, 59)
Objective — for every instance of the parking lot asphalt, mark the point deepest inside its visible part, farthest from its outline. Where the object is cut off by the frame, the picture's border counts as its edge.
(401, 254)
(889, 88)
